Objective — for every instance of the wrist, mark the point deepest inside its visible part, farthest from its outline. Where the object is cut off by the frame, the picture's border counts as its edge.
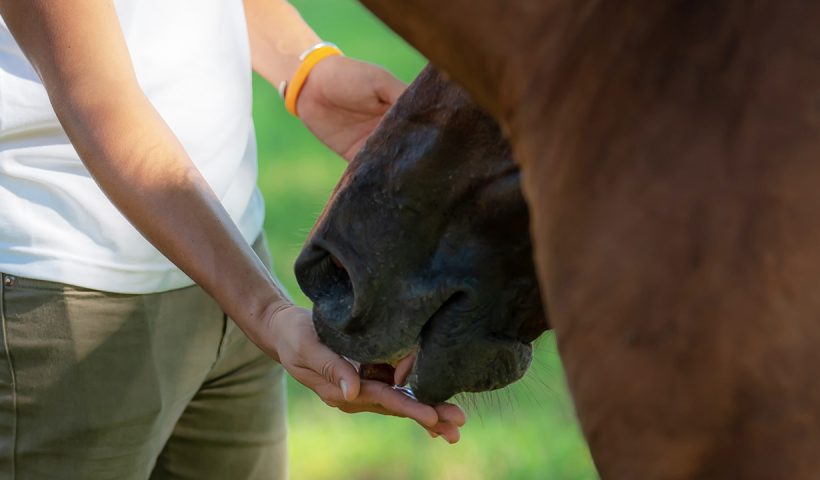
(265, 330)
(291, 89)
(288, 58)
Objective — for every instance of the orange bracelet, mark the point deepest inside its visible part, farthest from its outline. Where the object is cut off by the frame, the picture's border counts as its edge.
(291, 90)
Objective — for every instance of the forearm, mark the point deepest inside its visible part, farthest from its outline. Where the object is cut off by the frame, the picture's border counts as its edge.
(145, 172)
(79, 52)
(278, 35)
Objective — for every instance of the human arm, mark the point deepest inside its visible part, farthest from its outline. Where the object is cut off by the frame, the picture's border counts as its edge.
(341, 103)
(79, 52)
(343, 99)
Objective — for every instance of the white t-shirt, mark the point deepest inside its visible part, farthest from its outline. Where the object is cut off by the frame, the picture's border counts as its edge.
(192, 60)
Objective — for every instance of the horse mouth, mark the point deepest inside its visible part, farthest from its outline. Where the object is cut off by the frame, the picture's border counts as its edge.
(446, 339)
(511, 360)
(439, 365)
(396, 372)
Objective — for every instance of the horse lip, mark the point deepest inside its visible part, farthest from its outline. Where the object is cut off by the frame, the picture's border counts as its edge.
(510, 339)
(525, 338)
(417, 378)
(430, 392)
(406, 360)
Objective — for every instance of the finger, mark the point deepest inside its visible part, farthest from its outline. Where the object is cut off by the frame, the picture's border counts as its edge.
(329, 393)
(389, 88)
(334, 369)
(447, 431)
(403, 369)
(356, 365)
(383, 395)
(447, 412)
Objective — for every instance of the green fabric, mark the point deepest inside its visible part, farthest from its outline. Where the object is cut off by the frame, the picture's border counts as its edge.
(95, 385)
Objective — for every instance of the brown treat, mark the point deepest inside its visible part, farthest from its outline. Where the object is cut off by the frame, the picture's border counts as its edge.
(382, 372)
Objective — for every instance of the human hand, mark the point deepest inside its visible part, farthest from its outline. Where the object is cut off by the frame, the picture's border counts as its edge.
(291, 339)
(344, 99)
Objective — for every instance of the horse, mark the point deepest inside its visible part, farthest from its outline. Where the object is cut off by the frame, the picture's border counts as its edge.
(424, 246)
(668, 156)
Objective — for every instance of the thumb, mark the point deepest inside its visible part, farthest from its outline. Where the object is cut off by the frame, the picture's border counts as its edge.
(349, 381)
(338, 371)
(389, 88)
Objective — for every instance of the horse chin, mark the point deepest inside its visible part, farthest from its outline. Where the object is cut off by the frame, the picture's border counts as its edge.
(435, 379)
(445, 366)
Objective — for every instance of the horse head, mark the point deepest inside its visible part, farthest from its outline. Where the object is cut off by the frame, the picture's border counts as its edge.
(424, 246)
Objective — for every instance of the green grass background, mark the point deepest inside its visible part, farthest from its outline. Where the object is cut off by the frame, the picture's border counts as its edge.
(527, 431)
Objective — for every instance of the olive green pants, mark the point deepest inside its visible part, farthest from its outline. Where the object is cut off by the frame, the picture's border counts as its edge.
(97, 385)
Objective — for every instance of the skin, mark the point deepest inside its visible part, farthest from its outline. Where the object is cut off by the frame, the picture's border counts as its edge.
(437, 189)
(79, 52)
(668, 153)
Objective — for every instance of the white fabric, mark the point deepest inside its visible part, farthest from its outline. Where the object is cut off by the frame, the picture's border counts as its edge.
(192, 60)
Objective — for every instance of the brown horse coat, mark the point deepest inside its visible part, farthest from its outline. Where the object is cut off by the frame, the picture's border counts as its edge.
(670, 156)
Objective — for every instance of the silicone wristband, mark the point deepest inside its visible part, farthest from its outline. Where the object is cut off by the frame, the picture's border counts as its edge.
(309, 59)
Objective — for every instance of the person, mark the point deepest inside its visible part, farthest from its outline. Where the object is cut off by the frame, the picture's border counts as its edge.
(139, 317)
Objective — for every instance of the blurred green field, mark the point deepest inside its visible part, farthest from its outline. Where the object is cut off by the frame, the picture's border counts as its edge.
(525, 432)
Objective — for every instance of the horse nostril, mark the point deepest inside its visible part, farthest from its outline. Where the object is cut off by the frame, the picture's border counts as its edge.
(325, 280)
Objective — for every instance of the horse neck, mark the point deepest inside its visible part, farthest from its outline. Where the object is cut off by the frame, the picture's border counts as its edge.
(469, 40)
(648, 123)
(634, 122)
(528, 62)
